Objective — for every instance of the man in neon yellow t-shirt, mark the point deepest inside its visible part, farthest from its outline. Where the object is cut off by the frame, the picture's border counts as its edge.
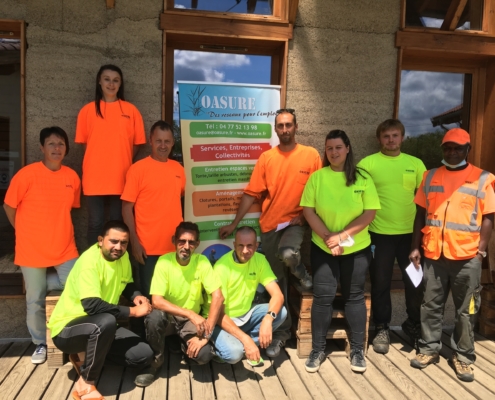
(84, 320)
(177, 294)
(396, 176)
(243, 326)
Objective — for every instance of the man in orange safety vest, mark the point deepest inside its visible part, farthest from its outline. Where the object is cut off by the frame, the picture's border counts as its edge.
(454, 220)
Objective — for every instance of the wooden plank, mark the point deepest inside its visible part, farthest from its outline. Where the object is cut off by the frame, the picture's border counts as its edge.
(128, 390)
(289, 378)
(179, 386)
(293, 5)
(37, 383)
(4, 347)
(11, 357)
(317, 388)
(201, 382)
(109, 382)
(268, 380)
(448, 383)
(484, 342)
(374, 377)
(224, 382)
(216, 25)
(248, 386)
(453, 15)
(335, 381)
(62, 383)
(16, 379)
(158, 389)
(400, 380)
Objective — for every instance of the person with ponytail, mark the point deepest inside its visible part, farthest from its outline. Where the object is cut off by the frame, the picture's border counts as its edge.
(339, 202)
(110, 129)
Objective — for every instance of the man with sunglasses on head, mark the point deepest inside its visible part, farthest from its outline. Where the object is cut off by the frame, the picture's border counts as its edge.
(278, 180)
(453, 224)
(177, 294)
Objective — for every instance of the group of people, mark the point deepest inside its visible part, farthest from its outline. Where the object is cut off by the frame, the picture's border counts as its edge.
(385, 208)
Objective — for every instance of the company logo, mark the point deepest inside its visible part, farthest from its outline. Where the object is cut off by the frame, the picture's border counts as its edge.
(69, 186)
(126, 116)
(358, 191)
(410, 170)
(304, 172)
(252, 273)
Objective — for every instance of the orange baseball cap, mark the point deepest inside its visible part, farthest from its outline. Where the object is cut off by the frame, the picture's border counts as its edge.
(457, 135)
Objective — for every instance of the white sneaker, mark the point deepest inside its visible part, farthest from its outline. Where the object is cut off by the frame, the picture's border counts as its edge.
(39, 355)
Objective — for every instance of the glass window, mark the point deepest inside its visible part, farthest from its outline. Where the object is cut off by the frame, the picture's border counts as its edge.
(10, 130)
(433, 14)
(430, 104)
(203, 66)
(260, 7)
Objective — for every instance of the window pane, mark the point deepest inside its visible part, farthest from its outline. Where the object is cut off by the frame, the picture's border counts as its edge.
(260, 7)
(430, 104)
(10, 129)
(202, 66)
(431, 14)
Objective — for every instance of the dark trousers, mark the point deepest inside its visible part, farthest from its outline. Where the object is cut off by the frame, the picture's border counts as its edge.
(281, 249)
(96, 214)
(463, 278)
(101, 338)
(146, 272)
(159, 325)
(388, 248)
(328, 270)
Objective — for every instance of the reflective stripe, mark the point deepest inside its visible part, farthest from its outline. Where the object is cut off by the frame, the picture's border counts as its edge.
(426, 189)
(462, 227)
(436, 189)
(434, 222)
(469, 191)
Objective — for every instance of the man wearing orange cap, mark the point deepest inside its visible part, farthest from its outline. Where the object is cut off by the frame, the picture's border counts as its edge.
(454, 220)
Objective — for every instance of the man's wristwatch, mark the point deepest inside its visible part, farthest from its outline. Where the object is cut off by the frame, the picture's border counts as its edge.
(481, 253)
(271, 314)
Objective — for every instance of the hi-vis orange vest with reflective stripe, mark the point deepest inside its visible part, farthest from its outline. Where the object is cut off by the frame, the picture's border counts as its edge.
(453, 224)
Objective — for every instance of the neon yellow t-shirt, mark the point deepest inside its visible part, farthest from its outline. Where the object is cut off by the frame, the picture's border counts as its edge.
(337, 204)
(91, 276)
(396, 179)
(183, 286)
(239, 282)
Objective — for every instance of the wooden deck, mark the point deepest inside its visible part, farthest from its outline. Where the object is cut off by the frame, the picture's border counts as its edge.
(387, 377)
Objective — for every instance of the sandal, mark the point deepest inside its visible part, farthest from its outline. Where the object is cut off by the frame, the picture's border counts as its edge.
(77, 395)
(76, 362)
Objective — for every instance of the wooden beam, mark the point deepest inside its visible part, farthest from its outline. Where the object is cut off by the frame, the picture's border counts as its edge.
(10, 29)
(197, 24)
(110, 3)
(293, 5)
(453, 16)
(489, 16)
(398, 78)
(472, 44)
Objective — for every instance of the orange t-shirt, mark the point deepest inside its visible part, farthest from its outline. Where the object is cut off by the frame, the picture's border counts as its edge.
(110, 142)
(155, 188)
(280, 177)
(44, 234)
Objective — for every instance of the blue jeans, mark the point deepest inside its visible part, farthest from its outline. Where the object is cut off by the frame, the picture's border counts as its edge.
(231, 349)
(96, 214)
(38, 282)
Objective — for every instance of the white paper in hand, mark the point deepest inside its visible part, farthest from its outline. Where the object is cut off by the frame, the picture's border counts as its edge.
(281, 226)
(416, 275)
(347, 242)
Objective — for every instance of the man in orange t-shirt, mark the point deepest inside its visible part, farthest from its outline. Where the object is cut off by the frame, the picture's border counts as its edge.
(453, 224)
(38, 204)
(153, 189)
(278, 179)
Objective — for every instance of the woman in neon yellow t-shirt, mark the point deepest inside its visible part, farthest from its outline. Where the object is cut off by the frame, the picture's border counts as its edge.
(339, 202)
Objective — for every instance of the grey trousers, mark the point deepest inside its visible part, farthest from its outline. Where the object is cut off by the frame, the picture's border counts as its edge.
(281, 249)
(463, 278)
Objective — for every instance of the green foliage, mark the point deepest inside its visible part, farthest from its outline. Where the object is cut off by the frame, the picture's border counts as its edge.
(426, 147)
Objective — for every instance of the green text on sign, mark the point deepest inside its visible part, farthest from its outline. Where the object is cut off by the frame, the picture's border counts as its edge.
(230, 130)
(209, 229)
(219, 175)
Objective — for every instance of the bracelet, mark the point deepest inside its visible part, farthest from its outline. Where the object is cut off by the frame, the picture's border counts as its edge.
(348, 236)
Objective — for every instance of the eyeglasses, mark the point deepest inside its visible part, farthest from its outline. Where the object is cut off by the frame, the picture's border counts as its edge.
(182, 242)
(288, 110)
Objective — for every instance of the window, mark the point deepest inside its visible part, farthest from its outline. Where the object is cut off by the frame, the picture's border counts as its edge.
(12, 126)
(261, 7)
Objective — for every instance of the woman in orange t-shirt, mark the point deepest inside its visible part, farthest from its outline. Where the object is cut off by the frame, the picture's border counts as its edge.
(38, 204)
(111, 129)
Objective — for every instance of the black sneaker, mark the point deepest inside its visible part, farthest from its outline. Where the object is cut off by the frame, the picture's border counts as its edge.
(413, 330)
(146, 377)
(381, 342)
(273, 350)
(314, 361)
(358, 363)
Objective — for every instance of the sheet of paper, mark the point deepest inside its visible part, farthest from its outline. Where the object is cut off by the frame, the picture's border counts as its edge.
(416, 275)
(282, 226)
(347, 242)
